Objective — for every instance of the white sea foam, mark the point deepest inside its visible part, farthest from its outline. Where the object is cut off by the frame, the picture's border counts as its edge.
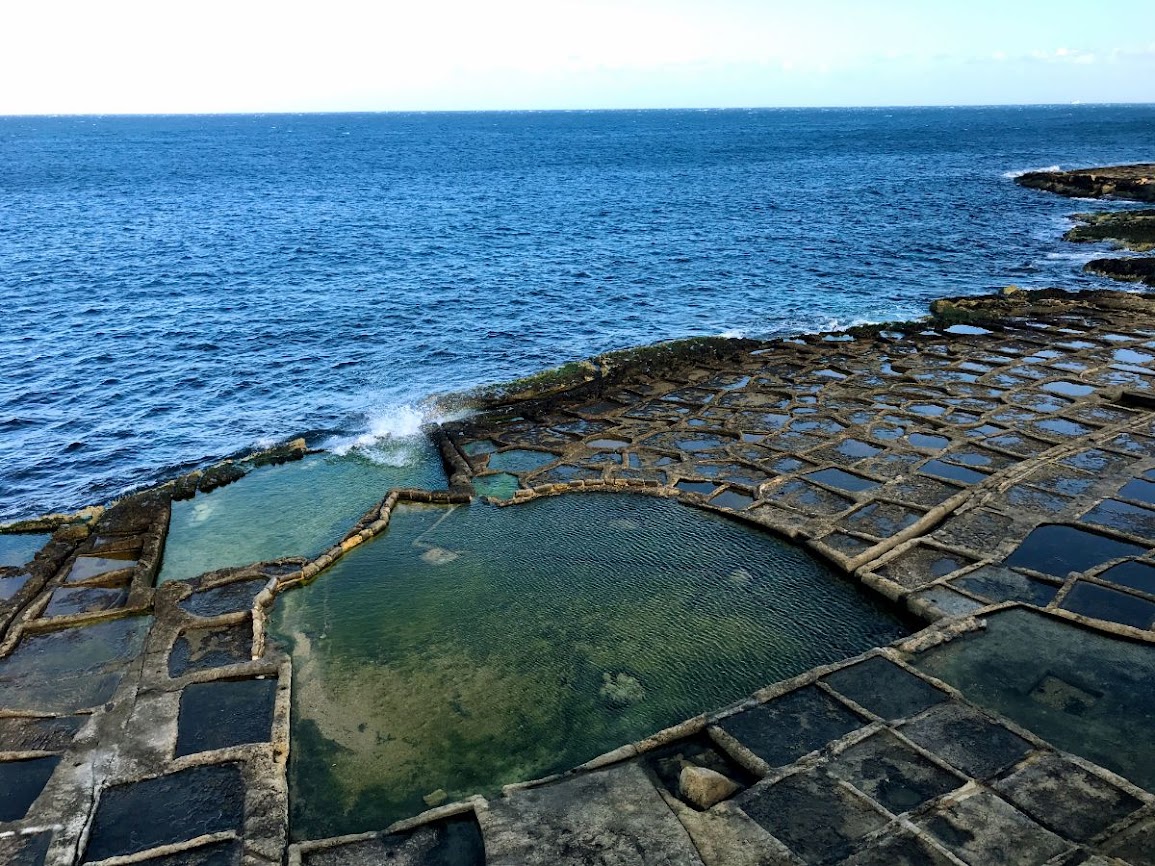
(733, 334)
(389, 435)
(1020, 172)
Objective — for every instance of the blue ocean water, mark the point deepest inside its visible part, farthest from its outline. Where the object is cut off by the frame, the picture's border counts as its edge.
(175, 289)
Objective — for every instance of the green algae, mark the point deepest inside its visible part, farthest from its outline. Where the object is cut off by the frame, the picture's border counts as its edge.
(476, 646)
(294, 509)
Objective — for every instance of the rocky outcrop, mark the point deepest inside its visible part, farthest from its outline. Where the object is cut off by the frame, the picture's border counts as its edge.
(1134, 182)
(1132, 270)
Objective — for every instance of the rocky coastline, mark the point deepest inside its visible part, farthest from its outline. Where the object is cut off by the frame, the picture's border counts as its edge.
(988, 471)
(1127, 229)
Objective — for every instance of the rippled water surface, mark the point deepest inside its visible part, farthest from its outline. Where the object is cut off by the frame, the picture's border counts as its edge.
(476, 646)
(180, 288)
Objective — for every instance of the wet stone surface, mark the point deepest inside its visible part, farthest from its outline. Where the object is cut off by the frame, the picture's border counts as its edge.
(24, 850)
(199, 649)
(69, 670)
(230, 598)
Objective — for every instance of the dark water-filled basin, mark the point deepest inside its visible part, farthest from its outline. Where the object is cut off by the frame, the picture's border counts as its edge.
(296, 509)
(476, 646)
(1082, 690)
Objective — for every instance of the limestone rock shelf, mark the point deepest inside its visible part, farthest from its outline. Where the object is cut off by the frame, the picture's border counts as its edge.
(1135, 182)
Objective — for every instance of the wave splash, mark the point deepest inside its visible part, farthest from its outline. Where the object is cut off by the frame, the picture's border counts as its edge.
(1011, 175)
(391, 434)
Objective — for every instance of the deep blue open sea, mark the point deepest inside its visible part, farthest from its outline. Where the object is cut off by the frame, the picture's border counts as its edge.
(176, 289)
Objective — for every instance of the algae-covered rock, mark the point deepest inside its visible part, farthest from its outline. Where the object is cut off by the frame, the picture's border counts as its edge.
(294, 450)
(621, 690)
(703, 787)
(219, 476)
(1130, 229)
(1131, 270)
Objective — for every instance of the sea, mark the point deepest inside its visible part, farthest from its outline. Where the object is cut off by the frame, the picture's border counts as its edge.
(176, 289)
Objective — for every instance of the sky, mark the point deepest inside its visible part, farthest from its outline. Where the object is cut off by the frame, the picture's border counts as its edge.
(177, 56)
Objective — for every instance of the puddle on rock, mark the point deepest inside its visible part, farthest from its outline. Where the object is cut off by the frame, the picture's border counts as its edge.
(20, 548)
(200, 649)
(951, 472)
(88, 567)
(520, 460)
(71, 669)
(9, 586)
(1079, 689)
(295, 509)
(220, 600)
(167, 809)
(561, 629)
(82, 599)
(1058, 549)
(225, 713)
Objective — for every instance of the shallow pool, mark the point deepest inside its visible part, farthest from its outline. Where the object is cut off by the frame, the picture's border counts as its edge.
(296, 509)
(474, 646)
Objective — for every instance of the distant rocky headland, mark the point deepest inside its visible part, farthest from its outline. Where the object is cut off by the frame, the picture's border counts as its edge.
(1129, 230)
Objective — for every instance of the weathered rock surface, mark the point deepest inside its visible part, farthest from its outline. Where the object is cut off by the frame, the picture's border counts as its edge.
(1135, 182)
(611, 817)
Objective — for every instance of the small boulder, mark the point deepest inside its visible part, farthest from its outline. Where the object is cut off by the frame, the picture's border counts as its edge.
(435, 798)
(703, 787)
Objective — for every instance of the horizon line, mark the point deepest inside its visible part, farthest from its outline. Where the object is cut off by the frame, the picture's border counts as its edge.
(365, 111)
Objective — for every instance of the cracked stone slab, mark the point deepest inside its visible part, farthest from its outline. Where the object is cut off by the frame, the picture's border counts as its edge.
(1067, 798)
(890, 772)
(984, 830)
(786, 728)
(965, 738)
(613, 817)
(899, 849)
(1136, 844)
(818, 819)
(884, 688)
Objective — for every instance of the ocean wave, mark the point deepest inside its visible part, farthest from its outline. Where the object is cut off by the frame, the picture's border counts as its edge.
(1011, 175)
(733, 334)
